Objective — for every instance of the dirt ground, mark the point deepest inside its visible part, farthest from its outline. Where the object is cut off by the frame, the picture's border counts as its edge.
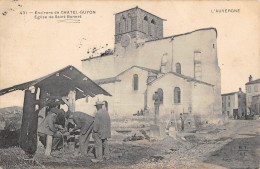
(234, 144)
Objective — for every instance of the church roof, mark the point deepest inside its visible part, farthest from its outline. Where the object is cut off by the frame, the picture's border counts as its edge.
(100, 56)
(140, 67)
(108, 52)
(189, 79)
(173, 36)
(141, 10)
(253, 82)
(115, 79)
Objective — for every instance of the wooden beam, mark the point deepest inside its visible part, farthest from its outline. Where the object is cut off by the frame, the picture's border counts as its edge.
(28, 136)
(71, 100)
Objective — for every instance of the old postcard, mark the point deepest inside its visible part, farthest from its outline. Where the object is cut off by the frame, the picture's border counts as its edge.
(129, 84)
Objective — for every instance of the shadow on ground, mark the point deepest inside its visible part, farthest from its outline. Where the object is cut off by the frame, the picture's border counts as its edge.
(239, 153)
(9, 138)
(130, 155)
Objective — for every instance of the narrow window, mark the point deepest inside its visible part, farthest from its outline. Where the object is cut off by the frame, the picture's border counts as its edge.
(178, 68)
(213, 45)
(177, 95)
(119, 27)
(256, 88)
(135, 82)
(153, 33)
(129, 23)
(160, 93)
(145, 25)
(122, 24)
(249, 89)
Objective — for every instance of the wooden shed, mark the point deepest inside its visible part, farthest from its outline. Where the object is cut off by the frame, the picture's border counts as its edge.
(69, 82)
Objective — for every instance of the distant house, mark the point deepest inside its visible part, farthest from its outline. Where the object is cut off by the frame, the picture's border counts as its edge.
(234, 102)
(255, 104)
(252, 95)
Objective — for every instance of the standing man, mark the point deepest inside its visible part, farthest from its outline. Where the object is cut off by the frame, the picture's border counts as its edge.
(85, 123)
(48, 132)
(101, 132)
(157, 102)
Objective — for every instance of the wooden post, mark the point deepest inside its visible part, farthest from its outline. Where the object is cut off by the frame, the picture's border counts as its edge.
(42, 108)
(175, 122)
(28, 136)
(71, 100)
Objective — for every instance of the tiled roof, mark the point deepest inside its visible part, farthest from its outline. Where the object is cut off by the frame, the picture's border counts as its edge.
(140, 67)
(142, 10)
(115, 79)
(226, 94)
(54, 84)
(173, 36)
(184, 77)
(253, 82)
(106, 80)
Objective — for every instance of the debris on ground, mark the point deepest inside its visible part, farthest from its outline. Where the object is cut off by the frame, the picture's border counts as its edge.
(231, 145)
(137, 135)
(133, 138)
(156, 158)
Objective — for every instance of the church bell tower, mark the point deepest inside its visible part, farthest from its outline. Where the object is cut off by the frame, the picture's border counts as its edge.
(134, 26)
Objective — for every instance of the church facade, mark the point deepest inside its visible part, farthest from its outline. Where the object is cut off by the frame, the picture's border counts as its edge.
(182, 68)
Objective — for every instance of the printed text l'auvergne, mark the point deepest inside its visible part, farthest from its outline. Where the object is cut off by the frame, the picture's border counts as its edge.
(225, 10)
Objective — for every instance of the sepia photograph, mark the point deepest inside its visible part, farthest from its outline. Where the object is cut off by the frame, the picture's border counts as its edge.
(129, 84)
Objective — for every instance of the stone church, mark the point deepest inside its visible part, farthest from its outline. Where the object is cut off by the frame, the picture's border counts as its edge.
(182, 68)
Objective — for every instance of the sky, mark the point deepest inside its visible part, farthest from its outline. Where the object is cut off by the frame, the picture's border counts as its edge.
(31, 48)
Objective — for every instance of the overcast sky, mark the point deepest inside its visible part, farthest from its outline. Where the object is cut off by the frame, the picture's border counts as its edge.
(31, 48)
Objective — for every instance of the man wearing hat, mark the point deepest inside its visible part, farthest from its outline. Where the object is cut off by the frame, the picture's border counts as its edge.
(85, 123)
(101, 132)
(49, 133)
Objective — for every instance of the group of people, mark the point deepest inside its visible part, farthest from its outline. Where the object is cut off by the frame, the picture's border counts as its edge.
(51, 133)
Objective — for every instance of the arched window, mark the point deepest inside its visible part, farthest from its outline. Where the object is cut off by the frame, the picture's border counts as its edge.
(178, 68)
(160, 93)
(177, 95)
(122, 25)
(153, 29)
(145, 25)
(135, 82)
(128, 23)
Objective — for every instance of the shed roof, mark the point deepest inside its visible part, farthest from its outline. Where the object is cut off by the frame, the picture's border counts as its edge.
(59, 83)
(106, 80)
